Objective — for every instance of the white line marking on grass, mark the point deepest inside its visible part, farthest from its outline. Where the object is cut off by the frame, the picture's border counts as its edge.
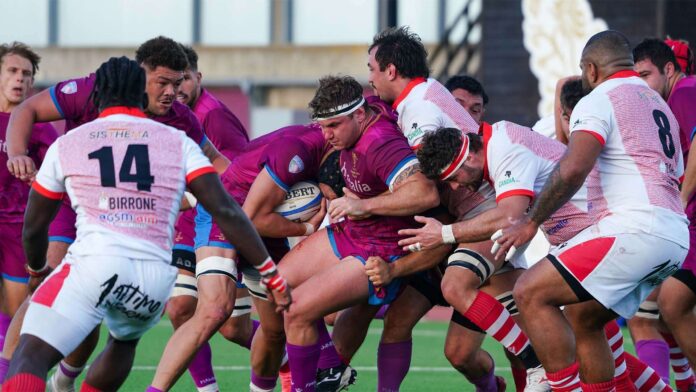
(145, 368)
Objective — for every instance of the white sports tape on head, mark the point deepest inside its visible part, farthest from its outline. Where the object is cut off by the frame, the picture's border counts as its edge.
(185, 285)
(340, 110)
(217, 265)
(467, 258)
(648, 310)
(242, 306)
(509, 302)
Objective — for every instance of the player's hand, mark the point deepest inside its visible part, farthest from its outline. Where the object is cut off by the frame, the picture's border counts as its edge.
(378, 271)
(35, 281)
(350, 206)
(317, 218)
(279, 291)
(429, 236)
(507, 241)
(22, 167)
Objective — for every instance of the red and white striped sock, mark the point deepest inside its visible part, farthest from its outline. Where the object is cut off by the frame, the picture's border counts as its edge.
(644, 377)
(565, 380)
(622, 379)
(491, 316)
(607, 386)
(683, 375)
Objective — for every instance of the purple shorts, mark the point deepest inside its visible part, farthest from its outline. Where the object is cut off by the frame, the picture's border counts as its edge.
(347, 241)
(208, 234)
(185, 230)
(62, 228)
(12, 258)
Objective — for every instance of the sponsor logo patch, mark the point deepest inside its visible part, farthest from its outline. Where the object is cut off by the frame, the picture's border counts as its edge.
(69, 88)
(296, 165)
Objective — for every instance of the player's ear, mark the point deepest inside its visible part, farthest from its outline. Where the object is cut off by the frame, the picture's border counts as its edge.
(669, 69)
(391, 71)
(199, 76)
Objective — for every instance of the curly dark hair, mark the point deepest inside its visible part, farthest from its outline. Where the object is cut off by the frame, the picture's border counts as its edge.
(468, 83)
(332, 92)
(21, 49)
(119, 81)
(191, 57)
(571, 93)
(438, 149)
(404, 49)
(162, 52)
(658, 52)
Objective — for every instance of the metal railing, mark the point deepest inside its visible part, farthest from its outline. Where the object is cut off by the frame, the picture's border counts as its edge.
(462, 56)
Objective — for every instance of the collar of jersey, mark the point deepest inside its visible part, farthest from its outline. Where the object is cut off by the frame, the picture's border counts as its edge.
(413, 83)
(486, 131)
(626, 73)
(135, 112)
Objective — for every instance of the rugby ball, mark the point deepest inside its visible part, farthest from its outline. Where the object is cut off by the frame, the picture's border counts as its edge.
(302, 201)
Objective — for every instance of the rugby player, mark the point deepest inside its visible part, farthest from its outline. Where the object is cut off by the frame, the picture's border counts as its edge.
(648, 220)
(18, 66)
(657, 65)
(258, 178)
(118, 268)
(328, 266)
(470, 94)
(164, 62)
(228, 135)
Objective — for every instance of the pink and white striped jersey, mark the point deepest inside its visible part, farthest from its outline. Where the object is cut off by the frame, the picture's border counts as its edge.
(425, 106)
(641, 161)
(125, 175)
(518, 162)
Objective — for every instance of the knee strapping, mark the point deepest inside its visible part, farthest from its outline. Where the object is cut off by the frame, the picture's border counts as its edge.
(185, 285)
(467, 258)
(217, 265)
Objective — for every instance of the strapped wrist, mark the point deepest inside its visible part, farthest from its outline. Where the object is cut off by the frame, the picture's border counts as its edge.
(448, 235)
(43, 271)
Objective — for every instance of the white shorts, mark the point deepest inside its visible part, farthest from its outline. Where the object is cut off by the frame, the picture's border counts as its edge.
(129, 295)
(616, 268)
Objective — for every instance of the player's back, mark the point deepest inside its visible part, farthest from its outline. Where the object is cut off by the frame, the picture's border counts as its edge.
(426, 106)
(125, 175)
(641, 161)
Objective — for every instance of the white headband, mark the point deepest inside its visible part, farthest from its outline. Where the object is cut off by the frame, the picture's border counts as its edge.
(341, 110)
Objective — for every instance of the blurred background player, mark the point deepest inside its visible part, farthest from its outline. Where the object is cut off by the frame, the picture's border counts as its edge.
(18, 66)
(227, 134)
(470, 94)
(657, 64)
(117, 270)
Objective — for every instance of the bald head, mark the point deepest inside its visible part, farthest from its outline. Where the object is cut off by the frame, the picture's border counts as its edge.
(605, 54)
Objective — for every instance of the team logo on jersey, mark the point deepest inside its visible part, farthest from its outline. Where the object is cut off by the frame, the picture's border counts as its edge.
(510, 179)
(296, 165)
(508, 174)
(70, 88)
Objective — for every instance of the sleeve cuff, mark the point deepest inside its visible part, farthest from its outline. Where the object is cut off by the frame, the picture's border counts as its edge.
(46, 192)
(199, 172)
(596, 135)
(514, 192)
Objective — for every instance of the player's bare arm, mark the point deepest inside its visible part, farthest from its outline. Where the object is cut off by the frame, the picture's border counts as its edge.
(240, 232)
(413, 193)
(264, 196)
(433, 233)
(565, 180)
(38, 108)
(219, 161)
(382, 273)
(37, 217)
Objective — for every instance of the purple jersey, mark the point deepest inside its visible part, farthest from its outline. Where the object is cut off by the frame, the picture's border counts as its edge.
(14, 192)
(71, 98)
(682, 101)
(289, 155)
(221, 126)
(370, 168)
